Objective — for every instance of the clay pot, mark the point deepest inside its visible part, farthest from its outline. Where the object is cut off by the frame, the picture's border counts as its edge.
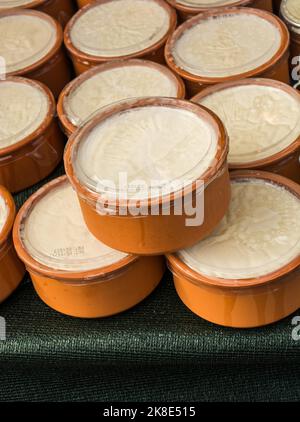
(52, 69)
(68, 125)
(83, 61)
(151, 234)
(242, 303)
(285, 162)
(92, 293)
(275, 68)
(12, 270)
(34, 157)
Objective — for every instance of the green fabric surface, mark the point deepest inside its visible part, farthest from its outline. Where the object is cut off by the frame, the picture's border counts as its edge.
(158, 350)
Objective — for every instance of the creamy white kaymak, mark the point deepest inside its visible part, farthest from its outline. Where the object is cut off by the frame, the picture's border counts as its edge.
(227, 45)
(120, 27)
(259, 234)
(206, 3)
(13, 3)
(3, 213)
(25, 39)
(260, 120)
(23, 108)
(116, 84)
(155, 145)
(54, 234)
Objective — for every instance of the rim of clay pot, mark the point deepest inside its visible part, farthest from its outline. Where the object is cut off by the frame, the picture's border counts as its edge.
(56, 46)
(91, 58)
(182, 269)
(291, 21)
(16, 147)
(270, 17)
(11, 208)
(274, 158)
(75, 83)
(200, 9)
(30, 5)
(221, 151)
(100, 274)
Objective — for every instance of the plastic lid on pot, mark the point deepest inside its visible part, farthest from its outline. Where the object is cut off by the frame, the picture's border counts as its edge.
(24, 106)
(225, 43)
(54, 233)
(26, 37)
(259, 234)
(147, 148)
(115, 28)
(262, 117)
(113, 82)
(290, 11)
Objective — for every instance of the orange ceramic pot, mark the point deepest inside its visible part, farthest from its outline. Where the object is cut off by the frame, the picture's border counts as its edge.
(62, 10)
(11, 268)
(91, 293)
(187, 11)
(82, 3)
(292, 20)
(36, 155)
(150, 233)
(275, 68)
(241, 303)
(53, 68)
(83, 61)
(68, 123)
(285, 162)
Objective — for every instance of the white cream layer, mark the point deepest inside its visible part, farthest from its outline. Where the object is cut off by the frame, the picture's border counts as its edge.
(153, 144)
(227, 45)
(260, 120)
(25, 40)
(259, 234)
(55, 234)
(114, 85)
(120, 27)
(13, 3)
(292, 9)
(3, 213)
(206, 3)
(23, 108)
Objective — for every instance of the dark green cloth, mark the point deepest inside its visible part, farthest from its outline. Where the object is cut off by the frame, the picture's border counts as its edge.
(157, 351)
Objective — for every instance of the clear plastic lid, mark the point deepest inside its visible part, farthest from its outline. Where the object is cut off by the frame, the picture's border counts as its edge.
(55, 235)
(206, 3)
(116, 84)
(25, 39)
(120, 27)
(261, 120)
(259, 234)
(226, 45)
(23, 108)
(145, 152)
(290, 10)
(3, 213)
(6, 4)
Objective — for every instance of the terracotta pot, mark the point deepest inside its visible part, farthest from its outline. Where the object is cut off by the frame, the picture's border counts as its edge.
(186, 11)
(83, 61)
(34, 157)
(275, 68)
(69, 126)
(62, 10)
(94, 293)
(292, 20)
(242, 303)
(82, 3)
(151, 234)
(276, 6)
(12, 270)
(52, 69)
(285, 162)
